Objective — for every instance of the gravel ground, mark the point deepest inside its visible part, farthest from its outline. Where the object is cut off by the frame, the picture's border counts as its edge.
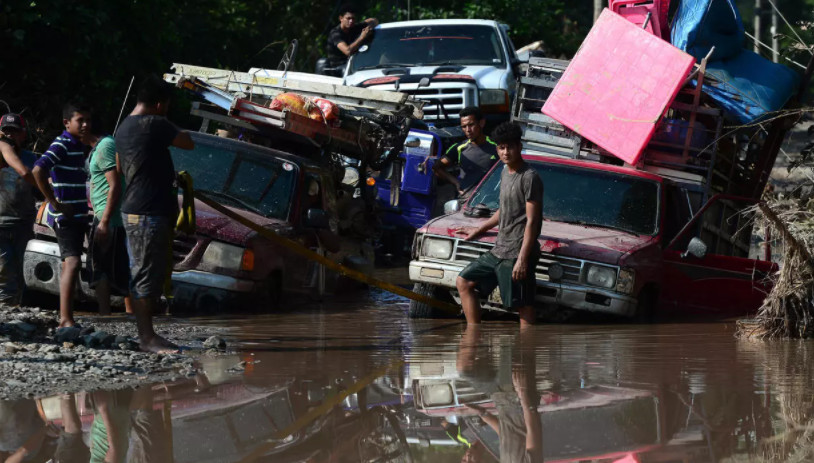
(36, 360)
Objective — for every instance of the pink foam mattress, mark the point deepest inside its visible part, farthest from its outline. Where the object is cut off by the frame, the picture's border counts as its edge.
(618, 86)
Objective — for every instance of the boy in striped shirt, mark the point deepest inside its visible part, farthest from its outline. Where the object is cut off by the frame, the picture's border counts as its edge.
(64, 163)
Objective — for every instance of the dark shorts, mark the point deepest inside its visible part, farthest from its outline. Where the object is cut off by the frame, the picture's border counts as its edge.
(489, 272)
(149, 241)
(109, 259)
(71, 237)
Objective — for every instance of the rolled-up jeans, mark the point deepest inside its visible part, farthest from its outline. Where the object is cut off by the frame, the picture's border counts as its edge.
(149, 240)
(13, 240)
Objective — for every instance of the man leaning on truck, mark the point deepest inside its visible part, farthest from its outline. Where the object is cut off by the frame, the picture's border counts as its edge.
(510, 264)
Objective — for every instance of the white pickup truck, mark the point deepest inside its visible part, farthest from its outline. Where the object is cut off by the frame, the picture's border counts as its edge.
(450, 63)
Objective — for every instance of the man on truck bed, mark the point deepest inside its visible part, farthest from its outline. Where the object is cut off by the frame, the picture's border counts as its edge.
(511, 263)
(475, 157)
(345, 39)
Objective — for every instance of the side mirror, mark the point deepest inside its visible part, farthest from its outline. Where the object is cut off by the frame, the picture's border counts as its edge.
(696, 248)
(316, 218)
(452, 206)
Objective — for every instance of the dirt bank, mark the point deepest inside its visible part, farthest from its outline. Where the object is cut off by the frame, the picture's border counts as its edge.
(36, 360)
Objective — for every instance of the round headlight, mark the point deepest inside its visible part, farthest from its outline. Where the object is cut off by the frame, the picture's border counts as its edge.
(604, 277)
(437, 248)
(351, 177)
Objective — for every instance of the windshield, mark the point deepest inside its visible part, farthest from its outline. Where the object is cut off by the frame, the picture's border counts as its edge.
(587, 196)
(430, 46)
(237, 177)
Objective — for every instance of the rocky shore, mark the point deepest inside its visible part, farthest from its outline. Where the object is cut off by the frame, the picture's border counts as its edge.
(37, 360)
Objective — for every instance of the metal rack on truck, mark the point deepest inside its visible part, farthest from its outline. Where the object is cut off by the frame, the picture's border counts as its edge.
(690, 145)
(371, 125)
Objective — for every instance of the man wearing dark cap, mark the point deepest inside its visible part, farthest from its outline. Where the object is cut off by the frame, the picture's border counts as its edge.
(17, 209)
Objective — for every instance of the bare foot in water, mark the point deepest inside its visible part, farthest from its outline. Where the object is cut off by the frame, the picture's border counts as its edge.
(158, 345)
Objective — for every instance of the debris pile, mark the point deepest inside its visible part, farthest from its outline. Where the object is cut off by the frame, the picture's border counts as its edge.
(788, 311)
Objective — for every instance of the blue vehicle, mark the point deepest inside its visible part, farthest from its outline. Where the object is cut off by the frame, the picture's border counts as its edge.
(403, 210)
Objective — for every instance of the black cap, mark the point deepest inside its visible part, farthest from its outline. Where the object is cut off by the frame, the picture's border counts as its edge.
(12, 121)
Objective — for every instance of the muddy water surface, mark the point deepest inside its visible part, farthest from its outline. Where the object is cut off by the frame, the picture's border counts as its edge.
(359, 382)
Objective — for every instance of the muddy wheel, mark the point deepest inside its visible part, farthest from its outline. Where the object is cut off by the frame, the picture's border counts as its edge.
(646, 308)
(422, 310)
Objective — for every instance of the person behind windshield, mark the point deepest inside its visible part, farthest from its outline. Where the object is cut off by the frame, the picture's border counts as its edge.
(345, 39)
(510, 265)
(474, 157)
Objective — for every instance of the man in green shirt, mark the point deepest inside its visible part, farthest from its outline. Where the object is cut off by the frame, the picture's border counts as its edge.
(109, 261)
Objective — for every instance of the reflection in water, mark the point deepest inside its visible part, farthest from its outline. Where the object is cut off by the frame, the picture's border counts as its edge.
(370, 386)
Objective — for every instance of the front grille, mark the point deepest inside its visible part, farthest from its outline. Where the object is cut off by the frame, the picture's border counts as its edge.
(453, 99)
(465, 252)
(182, 245)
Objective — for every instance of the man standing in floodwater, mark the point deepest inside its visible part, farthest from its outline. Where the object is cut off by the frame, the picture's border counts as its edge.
(150, 205)
(64, 163)
(510, 264)
(17, 208)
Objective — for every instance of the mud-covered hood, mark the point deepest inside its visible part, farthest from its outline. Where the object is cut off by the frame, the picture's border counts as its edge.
(590, 243)
(213, 224)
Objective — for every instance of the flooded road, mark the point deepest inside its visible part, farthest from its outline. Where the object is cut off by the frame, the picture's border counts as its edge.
(359, 382)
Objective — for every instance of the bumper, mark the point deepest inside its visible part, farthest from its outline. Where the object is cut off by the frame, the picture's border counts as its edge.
(203, 291)
(42, 267)
(191, 288)
(576, 297)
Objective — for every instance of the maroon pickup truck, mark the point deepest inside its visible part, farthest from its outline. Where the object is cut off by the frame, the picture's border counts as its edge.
(615, 240)
(225, 263)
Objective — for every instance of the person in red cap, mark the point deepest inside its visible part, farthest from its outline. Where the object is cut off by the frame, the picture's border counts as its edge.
(17, 208)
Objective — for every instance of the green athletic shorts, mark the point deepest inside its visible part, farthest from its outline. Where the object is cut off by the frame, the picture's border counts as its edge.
(489, 272)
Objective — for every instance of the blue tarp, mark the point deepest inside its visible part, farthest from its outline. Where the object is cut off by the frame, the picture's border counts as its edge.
(746, 86)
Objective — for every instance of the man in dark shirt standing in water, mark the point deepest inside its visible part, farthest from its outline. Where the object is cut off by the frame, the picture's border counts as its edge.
(345, 39)
(511, 264)
(150, 206)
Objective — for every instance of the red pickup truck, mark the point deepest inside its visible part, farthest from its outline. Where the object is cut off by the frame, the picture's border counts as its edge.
(615, 240)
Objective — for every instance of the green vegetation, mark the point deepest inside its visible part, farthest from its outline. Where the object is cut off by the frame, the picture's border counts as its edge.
(55, 50)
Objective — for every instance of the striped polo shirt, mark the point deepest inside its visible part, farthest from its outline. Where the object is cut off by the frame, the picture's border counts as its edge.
(65, 159)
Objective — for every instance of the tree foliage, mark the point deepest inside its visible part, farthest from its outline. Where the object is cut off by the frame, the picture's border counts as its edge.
(55, 50)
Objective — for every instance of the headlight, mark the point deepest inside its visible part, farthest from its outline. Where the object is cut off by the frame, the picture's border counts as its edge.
(599, 275)
(436, 249)
(624, 284)
(494, 97)
(351, 177)
(227, 256)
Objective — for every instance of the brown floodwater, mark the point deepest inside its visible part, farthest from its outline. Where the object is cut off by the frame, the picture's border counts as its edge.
(359, 382)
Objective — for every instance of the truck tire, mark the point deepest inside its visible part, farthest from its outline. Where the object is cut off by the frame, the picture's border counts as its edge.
(422, 310)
